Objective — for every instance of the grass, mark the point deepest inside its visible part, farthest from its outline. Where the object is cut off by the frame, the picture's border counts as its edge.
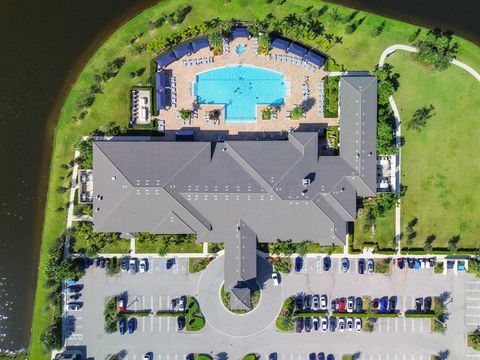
(197, 264)
(419, 315)
(285, 320)
(153, 247)
(383, 266)
(347, 357)
(380, 238)
(251, 357)
(122, 246)
(254, 298)
(438, 269)
(436, 161)
(358, 51)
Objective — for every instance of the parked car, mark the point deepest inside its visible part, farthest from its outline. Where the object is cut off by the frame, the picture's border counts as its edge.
(324, 324)
(350, 304)
(432, 262)
(181, 322)
(392, 303)
(400, 263)
(370, 266)
(324, 302)
(321, 356)
(148, 356)
(315, 302)
(308, 324)
(307, 302)
(74, 306)
(299, 325)
(72, 289)
(131, 325)
(75, 296)
(333, 323)
(383, 304)
(375, 303)
(341, 325)
(330, 357)
(345, 264)
(190, 356)
(96, 262)
(358, 324)
(312, 356)
(174, 303)
(121, 304)
(299, 302)
(122, 325)
(316, 323)
(298, 264)
(143, 265)
(181, 303)
(170, 263)
(427, 304)
(273, 356)
(334, 305)
(124, 264)
(341, 305)
(418, 304)
(133, 266)
(350, 324)
(358, 304)
(102, 263)
(85, 263)
(327, 263)
(275, 278)
(361, 266)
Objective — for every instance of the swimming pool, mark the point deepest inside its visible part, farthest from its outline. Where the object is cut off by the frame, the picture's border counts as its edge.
(240, 88)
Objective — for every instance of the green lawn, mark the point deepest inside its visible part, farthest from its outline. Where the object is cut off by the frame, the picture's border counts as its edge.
(358, 51)
(440, 164)
(381, 238)
(122, 246)
(153, 247)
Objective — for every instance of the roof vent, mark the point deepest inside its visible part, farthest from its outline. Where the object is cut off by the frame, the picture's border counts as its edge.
(97, 209)
(370, 153)
(114, 178)
(224, 149)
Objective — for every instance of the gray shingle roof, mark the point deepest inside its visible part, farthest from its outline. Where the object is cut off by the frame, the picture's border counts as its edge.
(210, 188)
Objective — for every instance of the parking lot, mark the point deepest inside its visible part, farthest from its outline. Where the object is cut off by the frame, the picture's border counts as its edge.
(393, 338)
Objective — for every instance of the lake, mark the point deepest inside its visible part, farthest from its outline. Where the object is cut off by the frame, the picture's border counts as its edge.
(44, 46)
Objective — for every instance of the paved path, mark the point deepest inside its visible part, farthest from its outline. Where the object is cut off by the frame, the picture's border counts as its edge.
(252, 323)
(387, 52)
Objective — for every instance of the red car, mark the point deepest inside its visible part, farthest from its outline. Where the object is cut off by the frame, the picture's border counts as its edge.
(121, 305)
(341, 305)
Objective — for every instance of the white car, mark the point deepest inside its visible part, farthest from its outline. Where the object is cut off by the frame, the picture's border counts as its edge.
(324, 324)
(341, 325)
(181, 303)
(133, 266)
(147, 356)
(315, 302)
(350, 324)
(323, 302)
(350, 303)
(143, 265)
(275, 279)
(358, 324)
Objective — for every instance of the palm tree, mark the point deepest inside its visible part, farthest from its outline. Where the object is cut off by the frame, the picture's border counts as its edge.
(201, 28)
(191, 31)
(302, 249)
(291, 19)
(212, 23)
(216, 42)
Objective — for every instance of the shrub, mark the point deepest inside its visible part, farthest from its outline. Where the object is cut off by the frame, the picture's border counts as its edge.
(296, 113)
(285, 320)
(282, 264)
(196, 265)
(51, 337)
(110, 315)
(383, 266)
(330, 104)
(436, 50)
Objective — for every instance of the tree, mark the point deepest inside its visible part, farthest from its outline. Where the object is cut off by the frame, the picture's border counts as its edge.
(185, 114)
(436, 50)
(296, 113)
(216, 42)
(386, 144)
(387, 82)
(302, 248)
(420, 117)
(51, 337)
(378, 30)
(283, 247)
(453, 243)
(264, 44)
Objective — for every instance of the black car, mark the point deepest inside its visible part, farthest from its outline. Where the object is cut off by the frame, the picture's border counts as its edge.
(411, 263)
(427, 304)
(312, 356)
(190, 356)
(124, 264)
(181, 322)
(75, 296)
(401, 263)
(102, 263)
(330, 357)
(375, 303)
(392, 303)
(358, 304)
(308, 324)
(308, 302)
(122, 324)
(299, 325)
(333, 323)
(327, 263)
(131, 325)
(272, 356)
(361, 266)
(418, 304)
(170, 263)
(299, 302)
(321, 356)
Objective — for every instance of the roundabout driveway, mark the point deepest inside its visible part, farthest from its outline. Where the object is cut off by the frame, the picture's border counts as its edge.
(239, 325)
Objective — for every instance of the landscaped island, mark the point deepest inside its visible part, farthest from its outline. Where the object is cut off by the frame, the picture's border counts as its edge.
(439, 204)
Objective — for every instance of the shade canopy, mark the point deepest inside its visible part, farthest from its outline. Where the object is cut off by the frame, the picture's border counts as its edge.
(297, 49)
(200, 44)
(183, 50)
(162, 101)
(315, 58)
(281, 44)
(240, 32)
(161, 80)
(166, 59)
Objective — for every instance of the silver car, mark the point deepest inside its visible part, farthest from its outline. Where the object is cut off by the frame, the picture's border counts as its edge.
(315, 302)
(345, 265)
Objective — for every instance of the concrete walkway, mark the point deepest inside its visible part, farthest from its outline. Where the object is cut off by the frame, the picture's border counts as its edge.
(398, 134)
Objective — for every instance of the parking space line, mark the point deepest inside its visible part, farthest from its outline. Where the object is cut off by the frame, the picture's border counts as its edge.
(380, 325)
(395, 356)
(291, 356)
(176, 356)
(168, 356)
(413, 357)
(160, 324)
(151, 323)
(371, 357)
(421, 325)
(404, 303)
(413, 325)
(168, 324)
(143, 324)
(134, 356)
(379, 357)
(299, 356)
(404, 356)
(396, 325)
(388, 325)
(404, 325)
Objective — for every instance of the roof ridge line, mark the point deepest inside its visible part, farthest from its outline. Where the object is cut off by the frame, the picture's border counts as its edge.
(206, 144)
(111, 162)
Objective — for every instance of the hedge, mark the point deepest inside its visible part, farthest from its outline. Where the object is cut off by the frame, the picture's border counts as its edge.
(414, 314)
(366, 315)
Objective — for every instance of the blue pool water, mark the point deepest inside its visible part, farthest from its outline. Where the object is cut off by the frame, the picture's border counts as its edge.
(240, 88)
(240, 49)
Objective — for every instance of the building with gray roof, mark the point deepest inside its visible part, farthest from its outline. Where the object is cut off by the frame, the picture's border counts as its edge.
(242, 192)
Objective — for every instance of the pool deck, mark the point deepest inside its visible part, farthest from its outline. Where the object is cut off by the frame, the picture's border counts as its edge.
(294, 75)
